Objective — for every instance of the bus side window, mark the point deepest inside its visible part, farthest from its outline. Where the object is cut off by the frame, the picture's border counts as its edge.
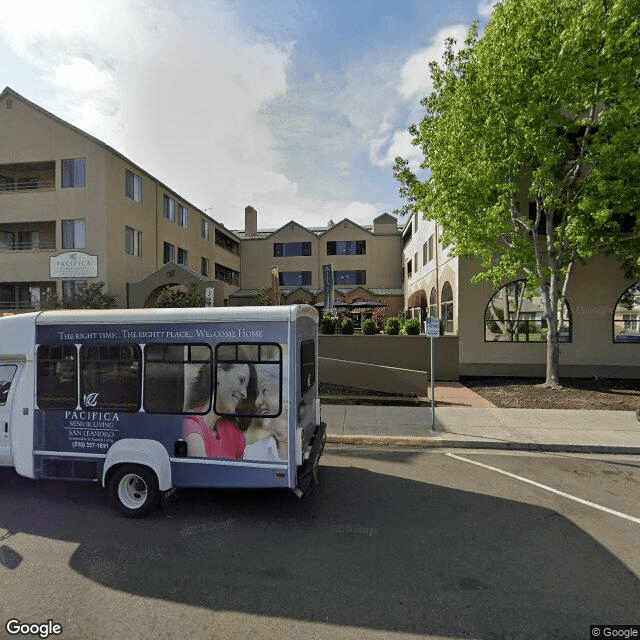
(111, 377)
(57, 376)
(177, 378)
(7, 371)
(248, 380)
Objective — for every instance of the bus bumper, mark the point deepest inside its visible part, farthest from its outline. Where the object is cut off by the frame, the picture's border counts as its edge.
(308, 470)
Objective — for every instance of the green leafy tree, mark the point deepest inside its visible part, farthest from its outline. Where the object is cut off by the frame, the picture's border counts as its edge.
(88, 295)
(531, 135)
(263, 297)
(176, 298)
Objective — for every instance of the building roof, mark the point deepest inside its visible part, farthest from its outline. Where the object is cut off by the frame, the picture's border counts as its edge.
(317, 231)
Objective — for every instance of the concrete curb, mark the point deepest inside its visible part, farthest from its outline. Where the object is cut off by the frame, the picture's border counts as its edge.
(391, 401)
(427, 442)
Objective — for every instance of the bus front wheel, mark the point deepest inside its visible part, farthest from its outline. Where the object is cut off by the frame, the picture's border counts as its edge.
(134, 491)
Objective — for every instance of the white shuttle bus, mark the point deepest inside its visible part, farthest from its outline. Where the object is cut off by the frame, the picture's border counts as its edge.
(150, 399)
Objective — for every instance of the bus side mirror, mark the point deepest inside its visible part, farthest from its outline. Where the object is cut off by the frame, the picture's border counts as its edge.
(180, 449)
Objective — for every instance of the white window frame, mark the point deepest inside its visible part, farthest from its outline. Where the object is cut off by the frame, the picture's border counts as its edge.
(133, 241)
(77, 237)
(172, 252)
(72, 173)
(169, 207)
(133, 186)
(183, 216)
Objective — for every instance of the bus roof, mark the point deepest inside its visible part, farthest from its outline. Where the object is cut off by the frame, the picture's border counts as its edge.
(151, 316)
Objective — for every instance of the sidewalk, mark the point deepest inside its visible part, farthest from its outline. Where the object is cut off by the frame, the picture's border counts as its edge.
(464, 421)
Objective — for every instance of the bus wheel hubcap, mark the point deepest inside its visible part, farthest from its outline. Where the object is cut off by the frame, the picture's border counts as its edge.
(132, 491)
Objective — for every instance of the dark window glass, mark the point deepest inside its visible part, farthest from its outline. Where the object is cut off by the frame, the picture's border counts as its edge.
(57, 377)
(7, 371)
(291, 249)
(347, 248)
(515, 314)
(169, 253)
(349, 277)
(110, 377)
(177, 378)
(626, 316)
(294, 278)
(307, 365)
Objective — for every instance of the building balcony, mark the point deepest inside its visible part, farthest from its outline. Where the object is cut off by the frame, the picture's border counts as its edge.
(227, 243)
(27, 177)
(28, 236)
(24, 296)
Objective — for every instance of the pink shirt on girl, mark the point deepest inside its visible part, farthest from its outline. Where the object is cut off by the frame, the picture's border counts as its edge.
(228, 443)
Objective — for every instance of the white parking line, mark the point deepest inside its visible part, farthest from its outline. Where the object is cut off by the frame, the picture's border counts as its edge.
(550, 489)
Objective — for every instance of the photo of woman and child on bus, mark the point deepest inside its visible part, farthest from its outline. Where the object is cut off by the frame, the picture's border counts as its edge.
(241, 389)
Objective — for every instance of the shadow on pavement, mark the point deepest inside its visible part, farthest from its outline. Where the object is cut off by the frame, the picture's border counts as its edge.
(366, 550)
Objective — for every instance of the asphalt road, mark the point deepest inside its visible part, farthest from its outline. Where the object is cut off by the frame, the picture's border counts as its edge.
(393, 544)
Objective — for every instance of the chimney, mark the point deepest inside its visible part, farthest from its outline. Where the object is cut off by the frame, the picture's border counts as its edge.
(250, 221)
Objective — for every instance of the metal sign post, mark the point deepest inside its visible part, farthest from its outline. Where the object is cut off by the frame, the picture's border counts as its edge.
(327, 283)
(432, 331)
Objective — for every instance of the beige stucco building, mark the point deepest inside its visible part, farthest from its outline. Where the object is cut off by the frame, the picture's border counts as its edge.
(73, 209)
(600, 333)
(365, 261)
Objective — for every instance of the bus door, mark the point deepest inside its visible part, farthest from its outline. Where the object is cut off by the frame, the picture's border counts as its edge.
(8, 373)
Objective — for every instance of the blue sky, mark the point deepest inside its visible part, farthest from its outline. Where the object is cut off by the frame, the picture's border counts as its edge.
(296, 107)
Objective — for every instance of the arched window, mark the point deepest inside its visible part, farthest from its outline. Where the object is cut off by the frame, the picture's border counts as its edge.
(516, 314)
(626, 316)
(446, 307)
(433, 303)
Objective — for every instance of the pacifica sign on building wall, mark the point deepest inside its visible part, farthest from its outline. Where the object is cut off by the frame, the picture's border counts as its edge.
(74, 264)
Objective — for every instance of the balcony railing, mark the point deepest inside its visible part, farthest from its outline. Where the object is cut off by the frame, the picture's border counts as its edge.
(34, 245)
(12, 305)
(229, 279)
(230, 246)
(28, 186)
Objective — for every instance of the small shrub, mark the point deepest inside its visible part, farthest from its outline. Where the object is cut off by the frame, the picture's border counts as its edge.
(328, 324)
(369, 327)
(412, 327)
(346, 326)
(393, 326)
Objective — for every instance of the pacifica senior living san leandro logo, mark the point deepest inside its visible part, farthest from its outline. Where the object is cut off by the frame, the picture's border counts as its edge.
(90, 399)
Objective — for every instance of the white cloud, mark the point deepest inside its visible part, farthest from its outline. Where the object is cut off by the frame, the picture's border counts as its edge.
(485, 8)
(415, 83)
(178, 93)
(416, 79)
(399, 145)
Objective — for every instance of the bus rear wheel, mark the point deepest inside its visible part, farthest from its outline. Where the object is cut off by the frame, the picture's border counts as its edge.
(134, 491)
